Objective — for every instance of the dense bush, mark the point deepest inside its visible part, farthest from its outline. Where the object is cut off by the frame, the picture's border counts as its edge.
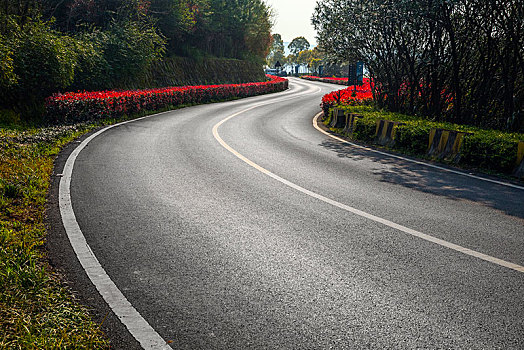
(43, 62)
(71, 107)
(129, 49)
(38, 61)
(413, 137)
(93, 71)
(118, 57)
(7, 74)
(491, 150)
(365, 130)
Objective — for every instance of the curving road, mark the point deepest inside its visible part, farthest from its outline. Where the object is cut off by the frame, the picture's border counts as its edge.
(240, 226)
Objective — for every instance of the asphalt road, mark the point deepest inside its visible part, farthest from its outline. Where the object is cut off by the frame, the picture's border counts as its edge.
(215, 254)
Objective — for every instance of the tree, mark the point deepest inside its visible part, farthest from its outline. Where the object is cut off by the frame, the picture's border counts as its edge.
(276, 51)
(298, 44)
(458, 61)
(311, 58)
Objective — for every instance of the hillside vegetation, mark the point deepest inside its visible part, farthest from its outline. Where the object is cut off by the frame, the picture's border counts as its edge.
(54, 46)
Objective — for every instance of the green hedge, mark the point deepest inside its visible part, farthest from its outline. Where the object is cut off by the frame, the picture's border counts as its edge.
(365, 130)
(413, 137)
(182, 71)
(490, 150)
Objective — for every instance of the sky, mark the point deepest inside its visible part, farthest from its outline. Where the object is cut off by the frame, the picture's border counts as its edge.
(293, 19)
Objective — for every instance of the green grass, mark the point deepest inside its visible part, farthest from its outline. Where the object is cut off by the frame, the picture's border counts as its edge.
(490, 151)
(36, 310)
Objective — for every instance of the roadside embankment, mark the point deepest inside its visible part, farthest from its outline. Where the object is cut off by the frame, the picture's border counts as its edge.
(491, 151)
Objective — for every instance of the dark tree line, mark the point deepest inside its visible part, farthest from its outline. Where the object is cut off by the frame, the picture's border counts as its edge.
(48, 46)
(453, 60)
(232, 28)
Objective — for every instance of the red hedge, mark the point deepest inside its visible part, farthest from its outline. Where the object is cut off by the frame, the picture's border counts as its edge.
(348, 96)
(82, 106)
(339, 81)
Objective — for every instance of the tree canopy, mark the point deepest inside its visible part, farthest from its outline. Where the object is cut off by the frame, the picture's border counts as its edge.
(276, 51)
(458, 60)
(298, 44)
(51, 45)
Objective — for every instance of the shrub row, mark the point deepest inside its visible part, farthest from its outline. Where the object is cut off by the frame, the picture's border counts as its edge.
(350, 96)
(331, 80)
(181, 71)
(484, 149)
(83, 106)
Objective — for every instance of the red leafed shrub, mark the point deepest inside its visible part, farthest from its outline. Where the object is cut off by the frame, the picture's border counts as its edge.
(339, 81)
(82, 106)
(348, 96)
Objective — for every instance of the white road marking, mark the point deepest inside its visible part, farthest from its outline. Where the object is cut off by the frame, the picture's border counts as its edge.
(355, 211)
(128, 315)
(315, 124)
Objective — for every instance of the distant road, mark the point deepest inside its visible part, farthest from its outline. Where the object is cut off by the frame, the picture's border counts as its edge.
(238, 225)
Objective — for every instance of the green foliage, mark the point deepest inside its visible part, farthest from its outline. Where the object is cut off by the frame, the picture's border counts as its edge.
(9, 117)
(235, 29)
(276, 51)
(36, 312)
(93, 71)
(491, 150)
(124, 52)
(7, 75)
(486, 149)
(365, 130)
(43, 61)
(413, 137)
(298, 45)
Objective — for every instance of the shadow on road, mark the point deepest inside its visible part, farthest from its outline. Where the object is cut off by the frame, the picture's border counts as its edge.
(425, 179)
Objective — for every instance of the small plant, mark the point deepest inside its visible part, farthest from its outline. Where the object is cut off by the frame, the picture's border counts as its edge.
(11, 190)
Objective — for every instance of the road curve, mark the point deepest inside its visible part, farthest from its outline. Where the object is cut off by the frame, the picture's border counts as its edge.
(215, 254)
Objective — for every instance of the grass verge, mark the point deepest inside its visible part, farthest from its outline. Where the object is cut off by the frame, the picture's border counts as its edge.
(36, 310)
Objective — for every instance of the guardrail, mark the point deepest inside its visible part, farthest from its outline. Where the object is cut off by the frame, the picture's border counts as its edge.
(351, 123)
(340, 119)
(443, 144)
(386, 131)
(446, 144)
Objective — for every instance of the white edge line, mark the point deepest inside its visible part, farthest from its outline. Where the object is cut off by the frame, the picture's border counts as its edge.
(128, 315)
(315, 124)
(358, 212)
(139, 328)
